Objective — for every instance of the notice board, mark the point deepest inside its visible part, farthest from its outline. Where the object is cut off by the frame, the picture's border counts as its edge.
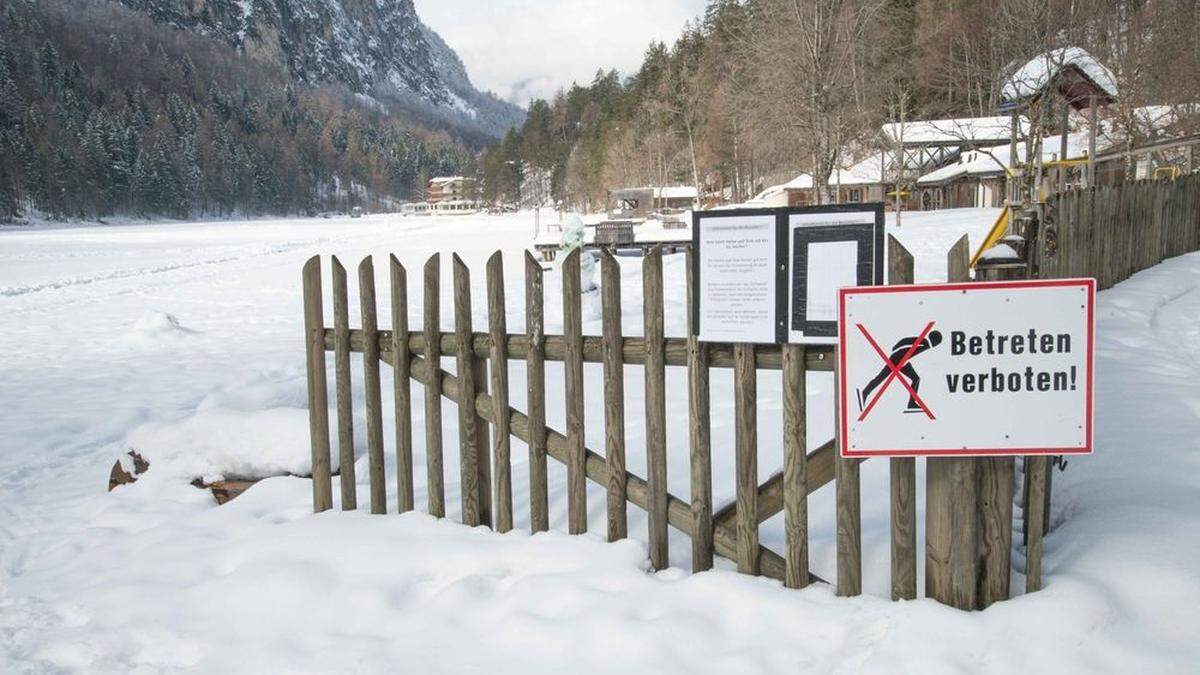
(773, 275)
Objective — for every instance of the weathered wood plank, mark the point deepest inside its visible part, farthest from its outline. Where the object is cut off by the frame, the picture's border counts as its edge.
(343, 392)
(371, 385)
(795, 486)
(656, 406)
(995, 528)
(847, 486)
(465, 368)
(699, 439)
(402, 387)
(903, 470)
(951, 516)
(435, 474)
(535, 395)
(818, 358)
(573, 372)
(745, 406)
(501, 445)
(318, 385)
(614, 396)
(1037, 470)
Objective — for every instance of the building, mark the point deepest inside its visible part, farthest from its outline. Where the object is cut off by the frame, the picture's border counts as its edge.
(644, 202)
(977, 178)
(860, 182)
(451, 189)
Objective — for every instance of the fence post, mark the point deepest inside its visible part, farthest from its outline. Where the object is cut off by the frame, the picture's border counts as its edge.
(370, 332)
(318, 394)
(849, 506)
(535, 391)
(903, 469)
(745, 405)
(614, 396)
(343, 392)
(573, 369)
(699, 436)
(995, 511)
(1036, 470)
(795, 468)
(656, 406)
(501, 446)
(433, 388)
(402, 387)
(951, 520)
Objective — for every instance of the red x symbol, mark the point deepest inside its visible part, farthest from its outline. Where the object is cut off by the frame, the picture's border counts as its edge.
(896, 368)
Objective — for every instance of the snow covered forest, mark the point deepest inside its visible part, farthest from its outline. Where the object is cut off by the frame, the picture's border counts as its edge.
(148, 110)
(759, 90)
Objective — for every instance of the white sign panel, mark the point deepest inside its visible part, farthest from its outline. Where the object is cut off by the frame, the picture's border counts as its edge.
(737, 280)
(996, 368)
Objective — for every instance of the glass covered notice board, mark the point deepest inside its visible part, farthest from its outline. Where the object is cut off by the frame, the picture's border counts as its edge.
(772, 275)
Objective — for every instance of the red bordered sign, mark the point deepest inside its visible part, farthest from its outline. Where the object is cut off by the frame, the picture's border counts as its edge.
(978, 369)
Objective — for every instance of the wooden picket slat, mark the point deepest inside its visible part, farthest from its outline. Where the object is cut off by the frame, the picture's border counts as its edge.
(951, 519)
(903, 469)
(656, 406)
(745, 429)
(795, 470)
(535, 395)
(699, 435)
(371, 385)
(501, 445)
(433, 389)
(343, 392)
(847, 488)
(402, 387)
(318, 385)
(614, 396)
(469, 458)
(1037, 468)
(573, 373)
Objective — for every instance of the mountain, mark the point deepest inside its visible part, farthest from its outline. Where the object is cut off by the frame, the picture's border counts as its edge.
(378, 48)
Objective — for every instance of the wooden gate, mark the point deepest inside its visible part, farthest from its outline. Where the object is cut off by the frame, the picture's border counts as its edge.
(968, 539)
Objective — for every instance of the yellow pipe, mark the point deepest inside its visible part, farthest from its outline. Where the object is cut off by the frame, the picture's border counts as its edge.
(994, 235)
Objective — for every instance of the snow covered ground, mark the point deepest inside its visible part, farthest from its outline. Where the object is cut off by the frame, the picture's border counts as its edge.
(184, 342)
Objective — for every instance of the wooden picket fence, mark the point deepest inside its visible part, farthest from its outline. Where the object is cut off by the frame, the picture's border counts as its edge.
(1111, 232)
(969, 509)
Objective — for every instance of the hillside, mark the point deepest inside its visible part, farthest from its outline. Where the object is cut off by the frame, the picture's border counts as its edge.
(156, 108)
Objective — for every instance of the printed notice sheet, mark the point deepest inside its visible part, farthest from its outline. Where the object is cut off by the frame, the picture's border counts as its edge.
(737, 280)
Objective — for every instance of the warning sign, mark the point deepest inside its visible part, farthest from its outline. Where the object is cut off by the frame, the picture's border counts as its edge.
(997, 368)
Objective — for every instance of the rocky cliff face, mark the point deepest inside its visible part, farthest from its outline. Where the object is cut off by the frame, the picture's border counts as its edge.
(374, 47)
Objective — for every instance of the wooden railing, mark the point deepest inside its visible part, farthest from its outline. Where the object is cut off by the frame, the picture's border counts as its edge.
(956, 572)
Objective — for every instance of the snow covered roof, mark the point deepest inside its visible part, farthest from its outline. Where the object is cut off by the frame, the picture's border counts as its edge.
(963, 130)
(676, 192)
(995, 161)
(866, 172)
(446, 179)
(1061, 67)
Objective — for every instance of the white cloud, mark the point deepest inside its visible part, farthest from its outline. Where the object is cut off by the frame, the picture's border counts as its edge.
(524, 49)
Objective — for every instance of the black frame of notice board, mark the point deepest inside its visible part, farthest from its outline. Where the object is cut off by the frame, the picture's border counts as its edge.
(783, 263)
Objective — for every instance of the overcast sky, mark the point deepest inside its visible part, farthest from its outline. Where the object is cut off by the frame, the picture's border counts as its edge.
(524, 49)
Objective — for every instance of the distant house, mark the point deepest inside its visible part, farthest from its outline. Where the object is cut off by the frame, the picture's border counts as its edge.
(643, 202)
(977, 178)
(451, 189)
(857, 183)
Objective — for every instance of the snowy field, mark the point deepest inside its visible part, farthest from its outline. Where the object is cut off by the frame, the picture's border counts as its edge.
(184, 341)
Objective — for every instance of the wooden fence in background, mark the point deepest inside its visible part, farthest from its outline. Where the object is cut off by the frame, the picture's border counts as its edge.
(1111, 232)
(968, 539)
